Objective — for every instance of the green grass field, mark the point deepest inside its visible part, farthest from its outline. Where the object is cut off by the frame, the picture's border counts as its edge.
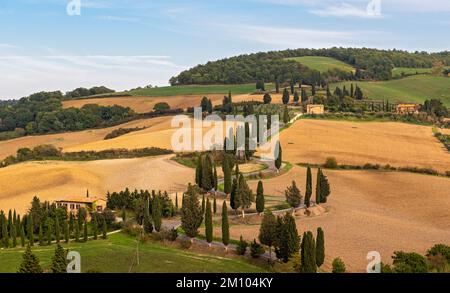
(195, 90)
(116, 255)
(322, 64)
(404, 71)
(415, 88)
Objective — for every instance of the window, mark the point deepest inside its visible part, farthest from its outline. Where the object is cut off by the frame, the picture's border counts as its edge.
(99, 208)
(72, 206)
(78, 206)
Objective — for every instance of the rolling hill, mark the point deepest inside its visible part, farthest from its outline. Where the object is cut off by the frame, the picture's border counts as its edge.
(322, 64)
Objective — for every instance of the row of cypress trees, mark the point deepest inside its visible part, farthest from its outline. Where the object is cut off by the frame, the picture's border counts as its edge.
(30, 262)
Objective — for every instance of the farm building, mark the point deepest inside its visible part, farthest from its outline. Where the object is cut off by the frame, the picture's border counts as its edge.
(315, 109)
(408, 108)
(91, 204)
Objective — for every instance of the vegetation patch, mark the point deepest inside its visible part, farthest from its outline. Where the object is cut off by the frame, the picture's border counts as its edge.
(323, 64)
(122, 131)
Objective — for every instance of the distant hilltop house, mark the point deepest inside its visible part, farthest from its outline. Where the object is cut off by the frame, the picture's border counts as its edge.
(315, 109)
(90, 204)
(407, 108)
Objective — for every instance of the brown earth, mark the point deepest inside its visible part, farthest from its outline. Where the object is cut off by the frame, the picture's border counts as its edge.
(52, 180)
(397, 144)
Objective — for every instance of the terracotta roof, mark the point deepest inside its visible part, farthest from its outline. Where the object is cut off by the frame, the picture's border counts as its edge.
(80, 199)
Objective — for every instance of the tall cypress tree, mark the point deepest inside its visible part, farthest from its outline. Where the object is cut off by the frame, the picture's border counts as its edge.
(85, 231)
(296, 97)
(308, 261)
(148, 226)
(214, 205)
(22, 236)
(77, 233)
(244, 195)
(216, 183)
(260, 202)
(225, 225)
(41, 235)
(268, 231)
(57, 230)
(288, 240)
(308, 191)
(318, 185)
(208, 223)
(59, 263)
(5, 234)
(191, 213)
(71, 223)
(285, 97)
(226, 168)
(320, 247)
(278, 155)
(66, 232)
(48, 233)
(13, 235)
(157, 213)
(95, 227)
(324, 188)
(233, 203)
(198, 172)
(176, 202)
(30, 263)
(207, 173)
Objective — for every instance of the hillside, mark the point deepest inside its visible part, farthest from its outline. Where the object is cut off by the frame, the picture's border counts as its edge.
(322, 64)
(415, 88)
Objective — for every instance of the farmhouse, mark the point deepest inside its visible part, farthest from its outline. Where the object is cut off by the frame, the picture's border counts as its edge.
(91, 204)
(408, 108)
(315, 109)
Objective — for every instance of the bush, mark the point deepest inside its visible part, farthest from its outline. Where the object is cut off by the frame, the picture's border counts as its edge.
(338, 266)
(411, 262)
(256, 249)
(331, 163)
(186, 243)
(132, 229)
(242, 247)
(163, 106)
(442, 249)
(121, 131)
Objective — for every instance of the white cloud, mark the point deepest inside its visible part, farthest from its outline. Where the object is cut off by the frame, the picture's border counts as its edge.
(23, 75)
(299, 37)
(345, 10)
(118, 18)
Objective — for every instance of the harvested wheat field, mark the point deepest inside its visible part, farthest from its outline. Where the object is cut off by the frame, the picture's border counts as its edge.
(145, 104)
(371, 210)
(53, 180)
(397, 144)
(72, 139)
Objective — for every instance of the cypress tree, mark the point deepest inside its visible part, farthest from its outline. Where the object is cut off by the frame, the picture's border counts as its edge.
(157, 213)
(296, 97)
(30, 263)
(10, 221)
(199, 172)
(244, 195)
(48, 233)
(30, 231)
(208, 223)
(260, 197)
(293, 195)
(233, 204)
(237, 172)
(288, 240)
(176, 201)
(324, 188)
(105, 229)
(71, 223)
(278, 155)
(285, 115)
(66, 232)
(214, 205)
(41, 235)
(148, 226)
(308, 191)
(225, 225)
(320, 247)
(14, 235)
(207, 173)
(5, 235)
(285, 97)
(308, 261)
(203, 204)
(191, 213)
(215, 178)
(268, 231)
(22, 236)
(59, 263)
(57, 230)
(77, 233)
(85, 234)
(318, 185)
(304, 95)
(226, 168)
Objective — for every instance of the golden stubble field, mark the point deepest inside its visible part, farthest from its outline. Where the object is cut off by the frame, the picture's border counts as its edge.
(358, 143)
(371, 210)
(52, 180)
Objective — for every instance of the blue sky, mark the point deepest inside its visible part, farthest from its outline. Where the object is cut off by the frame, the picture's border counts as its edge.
(124, 43)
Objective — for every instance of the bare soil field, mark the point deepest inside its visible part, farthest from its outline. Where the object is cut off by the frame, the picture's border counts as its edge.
(145, 104)
(371, 210)
(397, 144)
(72, 139)
(52, 180)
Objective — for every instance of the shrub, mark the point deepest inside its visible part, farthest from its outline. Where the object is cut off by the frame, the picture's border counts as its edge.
(162, 106)
(242, 247)
(442, 249)
(338, 266)
(132, 229)
(331, 163)
(256, 249)
(411, 262)
(186, 243)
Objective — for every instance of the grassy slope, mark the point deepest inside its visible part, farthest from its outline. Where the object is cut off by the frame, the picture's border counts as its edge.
(116, 255)
(411, 89)
(322, 64)
(397, 72)
(194, 90)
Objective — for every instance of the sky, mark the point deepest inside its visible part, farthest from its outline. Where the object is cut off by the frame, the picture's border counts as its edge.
(122, 44)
